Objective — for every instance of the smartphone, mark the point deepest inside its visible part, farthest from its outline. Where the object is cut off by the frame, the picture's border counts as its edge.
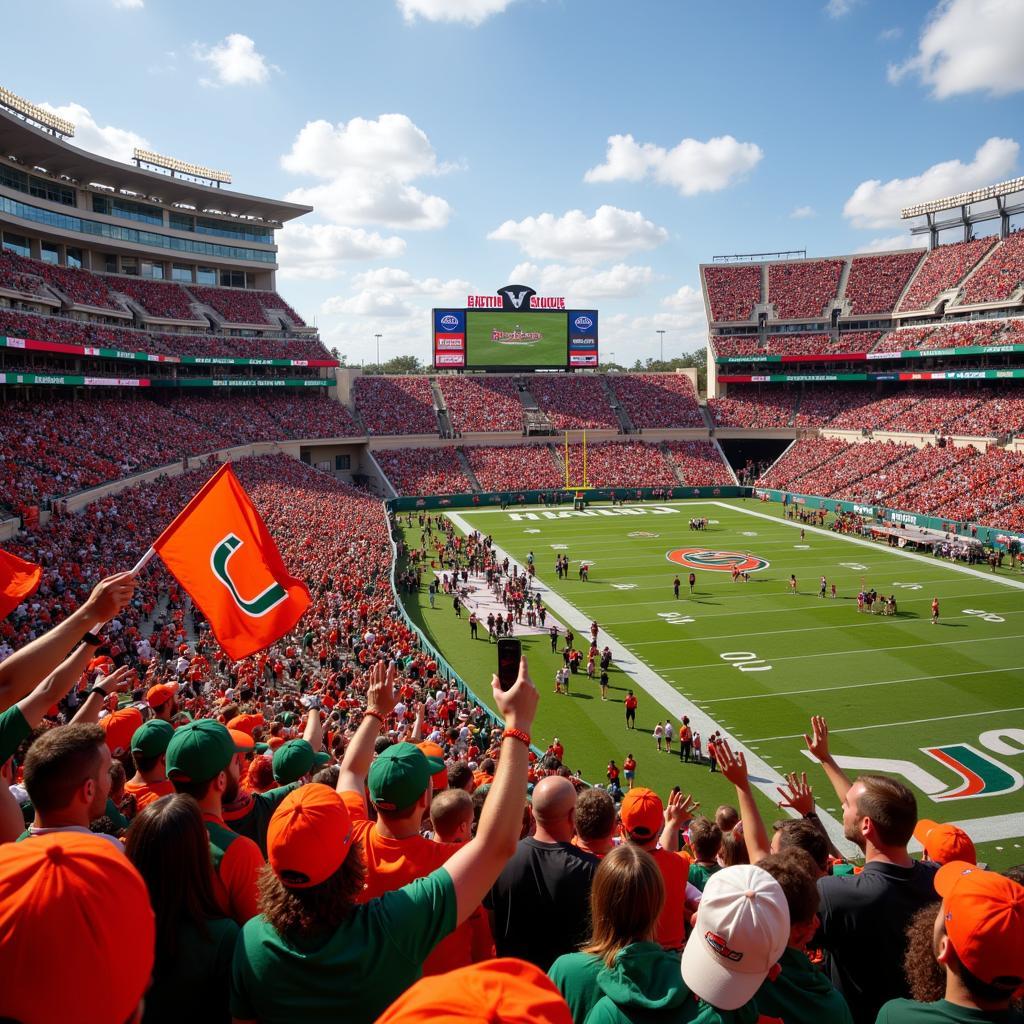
(510, 651)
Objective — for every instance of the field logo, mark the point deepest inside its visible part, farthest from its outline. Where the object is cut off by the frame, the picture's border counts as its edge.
(716, 561)
(643, 533)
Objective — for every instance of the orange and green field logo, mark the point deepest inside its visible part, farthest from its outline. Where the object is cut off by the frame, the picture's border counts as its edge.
(716, 561)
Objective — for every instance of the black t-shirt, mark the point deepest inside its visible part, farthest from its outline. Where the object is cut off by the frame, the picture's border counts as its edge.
(863, 927)
(541, 902)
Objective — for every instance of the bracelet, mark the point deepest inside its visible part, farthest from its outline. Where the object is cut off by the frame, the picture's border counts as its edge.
(92, 639)
(517, 734)
(97, 689)
(375, 714)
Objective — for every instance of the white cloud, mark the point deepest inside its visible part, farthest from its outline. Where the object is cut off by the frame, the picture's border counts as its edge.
(889, 34)
(875, 204)
(890, 243)
(687, 299)
(839, 8)
(368, 168)
(575, 237)
(104, 140)
(368, 302)
(317, 250)
(128, 5)
(471, 12)
(969, 45)
(580, 285)
(691, 166)
(234, 61)
(802, 213)
(392, 279)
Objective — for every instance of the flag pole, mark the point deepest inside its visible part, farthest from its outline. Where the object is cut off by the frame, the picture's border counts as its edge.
(143, 561)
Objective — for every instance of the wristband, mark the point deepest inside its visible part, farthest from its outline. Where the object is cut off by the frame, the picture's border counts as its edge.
(811, 814)
(92, 639)
(375, 714)
(517, 734)
(96, 689)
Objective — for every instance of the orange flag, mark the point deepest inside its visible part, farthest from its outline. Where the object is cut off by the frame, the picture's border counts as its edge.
(18, 580)
(220, 551)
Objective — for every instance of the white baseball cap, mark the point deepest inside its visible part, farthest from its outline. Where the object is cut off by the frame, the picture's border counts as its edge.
(742, 929)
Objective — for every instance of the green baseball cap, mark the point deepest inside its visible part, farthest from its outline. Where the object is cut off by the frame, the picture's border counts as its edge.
(151, 738)
(200, 750)
(400, 776)
(294, 759)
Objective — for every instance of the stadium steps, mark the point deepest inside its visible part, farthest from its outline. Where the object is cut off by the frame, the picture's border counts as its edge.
(625, 423)
(910, 280)
(467, 469)
(706, 413)
(840, 295)
(535, 421)
(796, 410)
(556, 458)
(444, 421)
(667, 455)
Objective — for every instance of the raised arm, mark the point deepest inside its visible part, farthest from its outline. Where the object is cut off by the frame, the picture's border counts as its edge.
(55, 686)
(476, 866)
(26, 668)
(116, 682)
(313, 734)
(380, 702)
(734, 768)
(817, 744)
(680, 809)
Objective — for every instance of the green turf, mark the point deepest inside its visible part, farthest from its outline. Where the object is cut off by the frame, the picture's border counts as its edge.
(888, 686)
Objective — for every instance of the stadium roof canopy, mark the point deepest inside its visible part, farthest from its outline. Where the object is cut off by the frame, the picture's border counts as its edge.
(35, 148)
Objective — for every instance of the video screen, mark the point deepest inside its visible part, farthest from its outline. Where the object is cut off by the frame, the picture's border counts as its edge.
(516, 339)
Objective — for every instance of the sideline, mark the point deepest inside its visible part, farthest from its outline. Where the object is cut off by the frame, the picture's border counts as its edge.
(762, 775)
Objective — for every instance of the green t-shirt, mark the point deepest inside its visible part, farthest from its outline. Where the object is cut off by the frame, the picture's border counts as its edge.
(370, 960)
(13, 730)
(194, 986)
(254, 820)
(906, 1011)
(700, 873)
(801, 994)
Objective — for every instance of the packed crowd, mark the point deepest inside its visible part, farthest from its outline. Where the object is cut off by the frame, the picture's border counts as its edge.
(733, 290)
(802, 290)
(423, 470)
(699, 463)
(753, 407)
(573, 402)
(653, 400)
(245, 305)
(620, 464)
(944, 268)
(514, 467)
(79, 286)
(796, 344)
(162, 299)
(1000, 276)
(876, 282)
(64, 331)
(483, 402)
(395, 405)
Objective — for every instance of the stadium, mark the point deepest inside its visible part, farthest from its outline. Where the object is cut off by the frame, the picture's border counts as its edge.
(822, 518)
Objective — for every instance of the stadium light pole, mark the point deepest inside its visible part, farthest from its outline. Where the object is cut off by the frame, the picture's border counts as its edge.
(378, 337)
(661, 342)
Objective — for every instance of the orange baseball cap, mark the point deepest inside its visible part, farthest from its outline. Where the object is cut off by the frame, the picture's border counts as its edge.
(55, 895)
(642, 813)
(243, 740)
(309, 836)
(504, 989)
(246, 723)
(160, 694)
(120, 727)
(439, 780)
(984, 917)
(945, 843)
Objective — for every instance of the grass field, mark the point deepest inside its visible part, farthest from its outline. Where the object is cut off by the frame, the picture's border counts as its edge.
(940, 705)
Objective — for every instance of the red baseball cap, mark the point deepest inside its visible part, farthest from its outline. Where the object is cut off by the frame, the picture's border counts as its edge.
(505, 989)
(439, 780)
(246, 723)
(160, 694)
(56, 895)
(945, 843)
(309, 836)
(642, 813)
(984, 917)
(120, 727)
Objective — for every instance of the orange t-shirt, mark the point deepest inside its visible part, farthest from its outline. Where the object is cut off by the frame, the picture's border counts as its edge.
(393, 863)
(675, 871)
(146, 793)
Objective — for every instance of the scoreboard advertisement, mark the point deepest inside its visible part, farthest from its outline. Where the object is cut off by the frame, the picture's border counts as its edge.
(514, 330)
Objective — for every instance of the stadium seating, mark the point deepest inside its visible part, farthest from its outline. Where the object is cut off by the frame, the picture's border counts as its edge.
(746, 345)
(81, 287)
(620, 464)
(800, 458)
(1000, 276)
(753, 407)
(820, 404)
(423, 470)
(244, 305)
(654, 400)
(699, 463)
(802, 290)
(944, 268)
(396, 405)
(876, 282)
(733, 290)
(14, 277)
(162, 299)
(573, 401)
(515, 467)
(482, 402)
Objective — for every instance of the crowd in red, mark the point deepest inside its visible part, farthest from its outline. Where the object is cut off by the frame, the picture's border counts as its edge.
(573, 402)
(875, 282)
(802, 290)
(796, 344)
(733, 290)
(999, 276)
(753, 407)
(699, 463)
(423, 470)
(944, 268)
(485, 402)
(653, 400)
(163, 299)
(514, 467)
(245, 305)
(395, 405)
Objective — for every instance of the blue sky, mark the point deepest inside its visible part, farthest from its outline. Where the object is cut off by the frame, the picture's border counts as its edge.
(596, 149)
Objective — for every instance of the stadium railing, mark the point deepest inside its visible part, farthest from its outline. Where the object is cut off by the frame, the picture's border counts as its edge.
(546, 498)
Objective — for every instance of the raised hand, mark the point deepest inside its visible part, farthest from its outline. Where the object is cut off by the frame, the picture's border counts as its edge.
(817, 742)
(380, 695)
(110, 596)
(518, 705)
(732, 766)
(680, 809)
(797, 794)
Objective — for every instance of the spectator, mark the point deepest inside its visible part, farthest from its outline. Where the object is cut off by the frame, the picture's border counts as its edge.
(149, 750)
(596, 821)
(706, 842)
(802, 290)
(732, 290)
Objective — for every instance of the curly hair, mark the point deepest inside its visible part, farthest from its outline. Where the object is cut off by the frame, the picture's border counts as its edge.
(301, 914)
(926, 977)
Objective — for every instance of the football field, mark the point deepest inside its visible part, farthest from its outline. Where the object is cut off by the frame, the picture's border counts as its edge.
(939, 705)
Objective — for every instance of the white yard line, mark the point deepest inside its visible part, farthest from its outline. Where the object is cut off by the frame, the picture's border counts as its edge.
(762, 775)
